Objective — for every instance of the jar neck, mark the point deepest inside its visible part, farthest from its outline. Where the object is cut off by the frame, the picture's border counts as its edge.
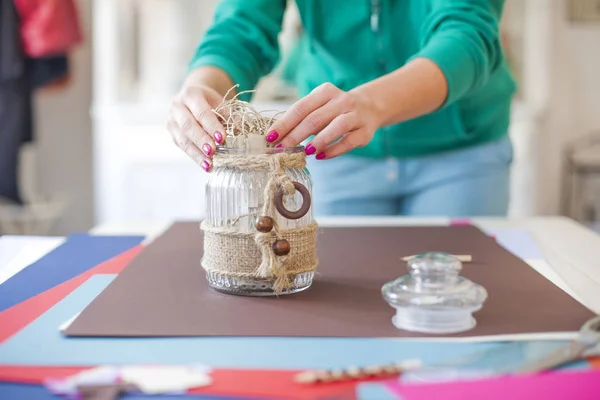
(243, 151)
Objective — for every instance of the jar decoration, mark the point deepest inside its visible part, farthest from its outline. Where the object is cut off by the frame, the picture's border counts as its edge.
(433, 297)
(259, 232)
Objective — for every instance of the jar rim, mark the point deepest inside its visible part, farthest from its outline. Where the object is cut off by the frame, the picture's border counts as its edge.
(262, 151)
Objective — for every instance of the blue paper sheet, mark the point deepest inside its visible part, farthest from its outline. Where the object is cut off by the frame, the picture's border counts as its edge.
(518, 242)
(40, 343)
(374, 391)
(10, 391)
(78, 254)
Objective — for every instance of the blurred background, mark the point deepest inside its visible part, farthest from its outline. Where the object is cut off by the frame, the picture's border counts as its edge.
(101, 152)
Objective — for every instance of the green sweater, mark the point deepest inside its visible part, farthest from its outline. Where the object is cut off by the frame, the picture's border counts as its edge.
(350, 42)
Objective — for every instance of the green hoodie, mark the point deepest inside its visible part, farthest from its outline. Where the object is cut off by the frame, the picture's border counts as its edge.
(350, 42)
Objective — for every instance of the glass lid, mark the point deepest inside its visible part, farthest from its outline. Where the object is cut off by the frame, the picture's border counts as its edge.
(433, 297)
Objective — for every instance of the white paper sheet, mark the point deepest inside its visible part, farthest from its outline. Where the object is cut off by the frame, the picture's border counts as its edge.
(18, 252)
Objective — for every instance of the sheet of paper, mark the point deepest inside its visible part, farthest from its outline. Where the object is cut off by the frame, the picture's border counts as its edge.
(353, 265)
(166, 379)
(68, 323)
(226, 384)
(518, 242)
(16, 318)
(154, 379)
(52, 348)
(78, 254)
(18, 252)
(580, 385)
(546, 270)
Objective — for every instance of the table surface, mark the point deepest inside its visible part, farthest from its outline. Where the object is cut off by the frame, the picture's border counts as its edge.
(571, 250)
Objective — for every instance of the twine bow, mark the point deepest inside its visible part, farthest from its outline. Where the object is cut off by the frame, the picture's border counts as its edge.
(271, 264)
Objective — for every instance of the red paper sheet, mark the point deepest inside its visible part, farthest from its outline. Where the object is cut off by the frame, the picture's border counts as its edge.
(226, 382)
(18, 317)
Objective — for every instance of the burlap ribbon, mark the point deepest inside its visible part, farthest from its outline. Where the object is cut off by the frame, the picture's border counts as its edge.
(238, 254)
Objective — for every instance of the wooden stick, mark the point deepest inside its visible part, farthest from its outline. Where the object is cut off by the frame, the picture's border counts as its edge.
(462, 258)
(355, 373)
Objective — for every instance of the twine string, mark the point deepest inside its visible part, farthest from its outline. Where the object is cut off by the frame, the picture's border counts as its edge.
(252, 254)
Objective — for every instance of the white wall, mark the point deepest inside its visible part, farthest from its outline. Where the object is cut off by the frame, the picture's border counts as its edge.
(60, 160)
(573, 93)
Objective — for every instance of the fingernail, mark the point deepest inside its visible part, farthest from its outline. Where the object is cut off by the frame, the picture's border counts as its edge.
(310, 149)
(218, 137)
(279, 146)
(206, 149)
(320, 156)
(272, 136)
(206, 165)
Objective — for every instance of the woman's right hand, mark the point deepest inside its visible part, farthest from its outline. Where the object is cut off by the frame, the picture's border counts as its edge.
(195, 129)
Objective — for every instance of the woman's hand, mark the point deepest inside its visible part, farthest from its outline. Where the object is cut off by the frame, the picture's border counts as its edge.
(341, 121)
(192, 124)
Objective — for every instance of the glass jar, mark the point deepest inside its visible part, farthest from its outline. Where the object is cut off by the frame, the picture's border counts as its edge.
(433, 297)
(235, 200)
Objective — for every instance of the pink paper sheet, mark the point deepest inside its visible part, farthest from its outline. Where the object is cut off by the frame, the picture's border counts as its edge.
(580, 385)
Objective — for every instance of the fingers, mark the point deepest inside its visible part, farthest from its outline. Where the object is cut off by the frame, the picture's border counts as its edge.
(189, 136)
(300, 110)
(315, 122)
(201, 111)
(340, 126)
(348, 142)
(189, 148)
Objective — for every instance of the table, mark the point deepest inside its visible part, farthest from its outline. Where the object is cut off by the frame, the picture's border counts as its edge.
(571, 250)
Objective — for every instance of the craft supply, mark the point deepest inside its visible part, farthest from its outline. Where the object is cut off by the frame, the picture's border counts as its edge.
(242, 352)
(19, 252)
(462, 258)
(149, 379)
(356, 373)
(79, 253)
(344, 302)
(225, 384)
(259, 232)
(17, 317)
(518, 241)
(433, 298)
(567, 385)
(587, 344)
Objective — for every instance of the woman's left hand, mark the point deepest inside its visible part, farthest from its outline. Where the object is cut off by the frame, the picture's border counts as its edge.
(330, 114)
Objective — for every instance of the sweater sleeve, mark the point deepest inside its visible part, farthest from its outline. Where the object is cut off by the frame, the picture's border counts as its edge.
(243, 40)
(462, 38)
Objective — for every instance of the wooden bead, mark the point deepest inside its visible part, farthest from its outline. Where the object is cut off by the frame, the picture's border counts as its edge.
(281, 247)
(264, 224)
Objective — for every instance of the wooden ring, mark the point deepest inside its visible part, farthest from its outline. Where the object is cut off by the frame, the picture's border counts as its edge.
(301, 212)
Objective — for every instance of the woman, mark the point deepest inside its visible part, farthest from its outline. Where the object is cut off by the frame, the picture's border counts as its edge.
(406, 103)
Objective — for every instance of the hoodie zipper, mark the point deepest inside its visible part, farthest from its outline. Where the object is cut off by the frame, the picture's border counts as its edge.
(376, 29)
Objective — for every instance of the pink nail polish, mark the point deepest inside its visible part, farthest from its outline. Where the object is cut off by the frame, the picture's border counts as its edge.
(206, 165)
(320, 156)
(207, 149)
(310, 149)
(272, 136)
(279, 146)
(218, 137)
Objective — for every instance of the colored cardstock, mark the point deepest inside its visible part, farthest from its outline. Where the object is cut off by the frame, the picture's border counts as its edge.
(580, 385)
(19, 316)
(78, 254)
(164, 292)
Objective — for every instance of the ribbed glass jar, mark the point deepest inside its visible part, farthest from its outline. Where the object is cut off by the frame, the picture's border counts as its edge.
(234, 200)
